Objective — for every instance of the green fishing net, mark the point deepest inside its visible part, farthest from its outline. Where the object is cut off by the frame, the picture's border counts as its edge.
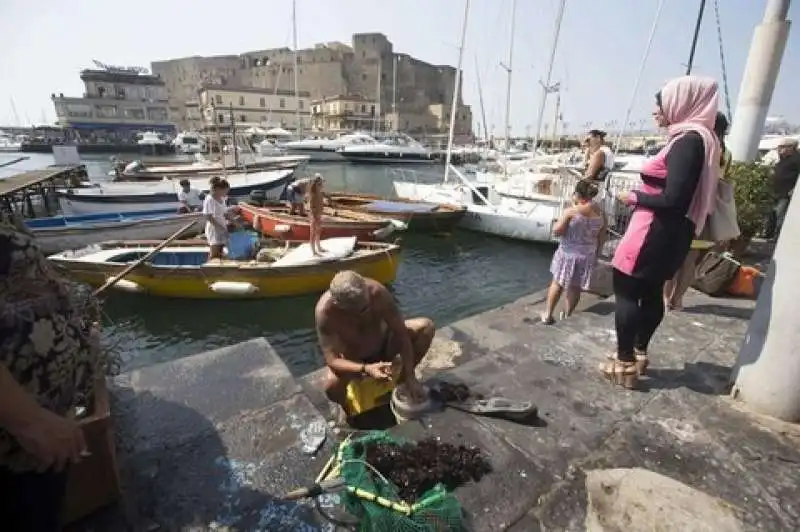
(435, 511)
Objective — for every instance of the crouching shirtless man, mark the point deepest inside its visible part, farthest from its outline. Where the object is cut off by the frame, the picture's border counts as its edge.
(361, 331)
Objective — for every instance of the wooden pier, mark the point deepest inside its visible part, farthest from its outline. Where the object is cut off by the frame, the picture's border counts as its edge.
(32, 193)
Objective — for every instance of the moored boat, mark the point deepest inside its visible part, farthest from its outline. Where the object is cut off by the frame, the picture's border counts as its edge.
(59, 233)
(126, 197)
(137, 171)
(183, 270)
(275, 221)
(417, 215)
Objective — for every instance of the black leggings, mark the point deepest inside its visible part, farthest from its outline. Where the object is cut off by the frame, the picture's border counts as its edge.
(640, 309)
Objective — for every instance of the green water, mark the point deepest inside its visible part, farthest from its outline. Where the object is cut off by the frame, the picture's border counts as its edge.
(446, 278)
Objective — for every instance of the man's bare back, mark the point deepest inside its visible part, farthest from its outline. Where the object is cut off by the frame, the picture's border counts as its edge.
(357, 334)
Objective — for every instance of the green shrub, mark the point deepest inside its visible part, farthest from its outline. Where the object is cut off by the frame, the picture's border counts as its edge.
(752, 184)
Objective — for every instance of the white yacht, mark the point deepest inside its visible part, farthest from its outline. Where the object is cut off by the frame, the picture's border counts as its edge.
(153, 143)
(326, 149)
(390, 148)
(189, 143)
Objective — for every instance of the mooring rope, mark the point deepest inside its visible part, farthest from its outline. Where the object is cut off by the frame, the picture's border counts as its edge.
(722, 62)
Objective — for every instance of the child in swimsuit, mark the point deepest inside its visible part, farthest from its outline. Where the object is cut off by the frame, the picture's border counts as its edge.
(315, 207)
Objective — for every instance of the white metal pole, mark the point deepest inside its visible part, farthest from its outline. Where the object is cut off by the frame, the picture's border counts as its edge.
(758, 81)
(454, 106)
(546, 84)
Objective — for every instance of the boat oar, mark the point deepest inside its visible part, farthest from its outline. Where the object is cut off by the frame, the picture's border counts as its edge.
(117, 278)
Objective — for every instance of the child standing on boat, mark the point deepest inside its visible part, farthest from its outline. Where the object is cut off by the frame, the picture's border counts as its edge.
(580, 227)
(216, 214)
(315, 208)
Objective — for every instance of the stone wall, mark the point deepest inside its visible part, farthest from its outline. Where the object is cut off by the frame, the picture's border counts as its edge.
(326, 70)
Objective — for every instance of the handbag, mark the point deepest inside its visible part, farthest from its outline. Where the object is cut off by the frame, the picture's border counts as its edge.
(715, 273)
(722, 221)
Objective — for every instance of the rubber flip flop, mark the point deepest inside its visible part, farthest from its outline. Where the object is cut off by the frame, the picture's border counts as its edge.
(497, 406)
(313, 436)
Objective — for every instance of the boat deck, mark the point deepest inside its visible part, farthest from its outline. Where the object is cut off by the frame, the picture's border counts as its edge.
(211, 441)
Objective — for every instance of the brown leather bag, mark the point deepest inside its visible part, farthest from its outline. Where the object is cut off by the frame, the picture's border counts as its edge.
(715, 273)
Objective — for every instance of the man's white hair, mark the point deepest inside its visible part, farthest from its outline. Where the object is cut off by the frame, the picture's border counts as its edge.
(348, 289)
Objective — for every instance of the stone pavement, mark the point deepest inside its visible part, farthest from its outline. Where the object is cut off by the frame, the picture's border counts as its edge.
(210, 440)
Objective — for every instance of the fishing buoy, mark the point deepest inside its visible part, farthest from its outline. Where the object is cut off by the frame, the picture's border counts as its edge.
(282, 228)
(129, 286)
(233, 288)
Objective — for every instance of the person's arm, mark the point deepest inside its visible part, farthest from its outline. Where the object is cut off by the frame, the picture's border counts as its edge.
(17, 406)
(561, 225)
(685, 162)
(596, 163)
(331, 349)
(397, 325)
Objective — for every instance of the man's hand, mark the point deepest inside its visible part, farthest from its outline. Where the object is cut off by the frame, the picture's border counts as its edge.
(52, 439)
(381, 371)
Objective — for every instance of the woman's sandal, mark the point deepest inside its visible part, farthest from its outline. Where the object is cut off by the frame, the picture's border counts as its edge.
(620, 373)
(642, 360)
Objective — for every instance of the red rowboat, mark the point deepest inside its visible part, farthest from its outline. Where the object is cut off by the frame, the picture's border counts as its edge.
(275, 221)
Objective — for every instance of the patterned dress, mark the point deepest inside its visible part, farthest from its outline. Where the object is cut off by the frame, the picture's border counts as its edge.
(574, 259)
(44, 342)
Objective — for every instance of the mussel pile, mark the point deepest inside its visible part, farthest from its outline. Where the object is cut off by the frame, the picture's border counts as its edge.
(448, 392)
(417, 467)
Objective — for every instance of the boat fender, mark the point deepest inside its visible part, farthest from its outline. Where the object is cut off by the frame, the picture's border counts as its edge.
(282, 228)
(233, 288)
(129, 286)
(380, 234)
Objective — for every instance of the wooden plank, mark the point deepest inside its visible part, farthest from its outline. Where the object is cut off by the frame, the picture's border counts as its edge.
(21, 181)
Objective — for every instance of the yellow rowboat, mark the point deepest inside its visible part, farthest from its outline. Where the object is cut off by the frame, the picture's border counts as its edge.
(182, 269)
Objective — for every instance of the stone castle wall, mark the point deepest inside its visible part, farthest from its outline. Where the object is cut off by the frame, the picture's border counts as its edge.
(327, 70)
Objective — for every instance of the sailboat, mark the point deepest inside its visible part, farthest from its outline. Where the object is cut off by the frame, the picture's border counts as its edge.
(523, 218)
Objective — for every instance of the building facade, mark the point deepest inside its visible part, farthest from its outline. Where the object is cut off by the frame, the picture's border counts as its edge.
(254, 107)
(345, 113)
(118, 102)
(368, 67)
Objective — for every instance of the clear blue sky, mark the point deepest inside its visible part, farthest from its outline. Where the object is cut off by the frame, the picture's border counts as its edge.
(46, 42)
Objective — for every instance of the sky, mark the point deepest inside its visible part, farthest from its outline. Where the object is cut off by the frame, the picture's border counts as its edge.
(598, 57)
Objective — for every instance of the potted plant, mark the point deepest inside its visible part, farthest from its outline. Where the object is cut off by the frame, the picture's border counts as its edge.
(753, 194)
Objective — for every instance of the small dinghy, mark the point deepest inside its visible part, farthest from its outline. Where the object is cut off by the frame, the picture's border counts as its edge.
(60, 233)
(183, 270)
(417, 215)
(275, 221)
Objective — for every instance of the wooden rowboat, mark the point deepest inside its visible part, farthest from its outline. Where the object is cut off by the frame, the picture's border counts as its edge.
(274, 220)
(417, 215)
(182, 269)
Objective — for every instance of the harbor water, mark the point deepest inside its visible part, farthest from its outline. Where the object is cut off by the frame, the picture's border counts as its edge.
(444, 277)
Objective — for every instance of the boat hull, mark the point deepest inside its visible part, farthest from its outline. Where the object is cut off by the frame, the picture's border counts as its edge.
(445, 218)
(54, 240)
(284, 226)
(527, 221)
(387, 158)
(79, 204)
(194, 170)
(196, 282)
(317, 156)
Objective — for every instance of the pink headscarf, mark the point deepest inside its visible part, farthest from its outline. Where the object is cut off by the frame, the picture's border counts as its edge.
(689, 103)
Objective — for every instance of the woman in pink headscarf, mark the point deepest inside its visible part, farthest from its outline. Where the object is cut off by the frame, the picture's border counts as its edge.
(670, 208)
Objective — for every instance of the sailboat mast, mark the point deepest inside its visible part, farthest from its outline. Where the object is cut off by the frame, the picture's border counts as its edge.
(546, 84)
(480, 101)
(697, 25)
(508, 68)
(454, 106)
(299, 125)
